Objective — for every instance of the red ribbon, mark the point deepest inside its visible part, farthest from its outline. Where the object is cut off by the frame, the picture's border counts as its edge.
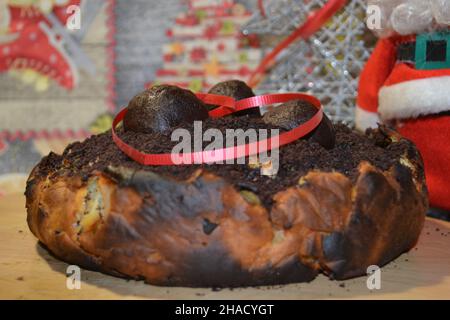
(314, 22)
(229, 106)
(261, 8)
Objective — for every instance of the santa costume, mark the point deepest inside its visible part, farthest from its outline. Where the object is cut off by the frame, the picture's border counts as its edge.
(406, 84)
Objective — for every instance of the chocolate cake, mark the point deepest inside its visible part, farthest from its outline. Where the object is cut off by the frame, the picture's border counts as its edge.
(340, 202)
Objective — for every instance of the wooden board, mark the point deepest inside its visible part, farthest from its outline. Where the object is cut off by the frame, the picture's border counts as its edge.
(27, 271)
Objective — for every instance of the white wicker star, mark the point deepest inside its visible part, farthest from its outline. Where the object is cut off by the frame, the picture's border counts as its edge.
(326, 65)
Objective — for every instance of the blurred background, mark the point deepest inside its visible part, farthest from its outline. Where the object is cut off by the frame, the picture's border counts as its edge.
(66, 66)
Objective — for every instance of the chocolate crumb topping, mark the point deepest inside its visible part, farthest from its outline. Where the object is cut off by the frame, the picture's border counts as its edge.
(296, 159)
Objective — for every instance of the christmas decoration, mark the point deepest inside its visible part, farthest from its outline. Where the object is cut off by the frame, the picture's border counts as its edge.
(40, 58)
(405, 83)
(206, 46)
(327, 64)
(35, 46)
(276, 17)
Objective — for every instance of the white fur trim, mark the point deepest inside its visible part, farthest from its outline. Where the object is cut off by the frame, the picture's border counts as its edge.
(365, 119)
(415, 98)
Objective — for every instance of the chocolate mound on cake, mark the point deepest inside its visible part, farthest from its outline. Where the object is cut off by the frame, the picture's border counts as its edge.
(340, 202)
(238, 90)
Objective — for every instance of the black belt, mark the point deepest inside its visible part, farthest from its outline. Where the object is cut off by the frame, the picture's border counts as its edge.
(436, 51)
(406, 52)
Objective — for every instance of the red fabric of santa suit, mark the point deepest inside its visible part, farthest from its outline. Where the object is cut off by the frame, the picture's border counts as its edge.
(417, 103)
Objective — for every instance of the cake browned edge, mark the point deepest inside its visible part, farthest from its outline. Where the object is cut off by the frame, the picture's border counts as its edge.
(203, 232)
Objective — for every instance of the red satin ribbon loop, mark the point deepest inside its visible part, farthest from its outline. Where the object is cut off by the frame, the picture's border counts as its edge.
(218, 100)
(268, 99)
(231, 152)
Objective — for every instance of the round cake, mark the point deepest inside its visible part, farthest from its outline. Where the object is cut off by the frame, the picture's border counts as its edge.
(340, 202)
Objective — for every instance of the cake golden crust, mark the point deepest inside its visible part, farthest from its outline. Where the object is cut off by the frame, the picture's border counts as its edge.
(203, 232)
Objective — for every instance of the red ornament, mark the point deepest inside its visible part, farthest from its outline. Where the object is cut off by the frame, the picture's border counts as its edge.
(36, 48)
(168, 57)
(198, 54)
(187, 20)
(21, 16)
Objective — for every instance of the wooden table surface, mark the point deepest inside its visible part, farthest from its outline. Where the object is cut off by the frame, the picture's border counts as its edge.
(27, 271)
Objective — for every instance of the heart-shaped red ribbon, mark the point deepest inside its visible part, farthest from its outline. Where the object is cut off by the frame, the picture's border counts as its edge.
(227, 106)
